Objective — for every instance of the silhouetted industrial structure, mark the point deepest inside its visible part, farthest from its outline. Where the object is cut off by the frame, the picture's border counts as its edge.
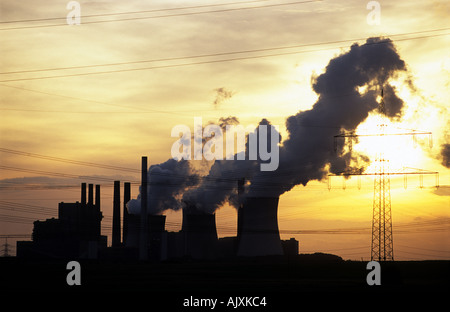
(76, 233)
(382, 246)
(199, 234)
(258, 233)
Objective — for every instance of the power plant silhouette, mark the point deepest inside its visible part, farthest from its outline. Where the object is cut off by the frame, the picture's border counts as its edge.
(76, 233)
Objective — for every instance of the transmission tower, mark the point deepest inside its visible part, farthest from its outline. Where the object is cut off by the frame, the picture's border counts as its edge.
(382, 246)
(6, 248)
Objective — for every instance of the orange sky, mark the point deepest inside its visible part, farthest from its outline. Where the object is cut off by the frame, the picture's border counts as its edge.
(115, 114)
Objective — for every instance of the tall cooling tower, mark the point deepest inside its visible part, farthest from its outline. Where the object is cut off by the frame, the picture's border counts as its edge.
(133, 232)
(200, 234)
(156, 235)
(258, 233)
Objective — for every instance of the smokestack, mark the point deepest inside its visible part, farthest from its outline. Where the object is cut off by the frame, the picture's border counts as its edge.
(259, 235)
(241, 183)
(116, 215)
(83, 194)
(143, 242)
(126, 199)
(97, 197)
(91, 195)
(98, 214)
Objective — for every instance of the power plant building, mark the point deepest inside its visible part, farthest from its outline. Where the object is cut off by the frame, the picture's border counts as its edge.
(76, 233)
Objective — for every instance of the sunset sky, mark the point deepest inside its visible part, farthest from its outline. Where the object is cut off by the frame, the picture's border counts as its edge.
(111, 89)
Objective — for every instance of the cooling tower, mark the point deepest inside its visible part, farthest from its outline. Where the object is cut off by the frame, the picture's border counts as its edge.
(199, 234)
(258, 227)
(156, 235)
(133, 232)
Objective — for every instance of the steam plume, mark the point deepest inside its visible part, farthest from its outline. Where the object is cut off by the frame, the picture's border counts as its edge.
(307, 153)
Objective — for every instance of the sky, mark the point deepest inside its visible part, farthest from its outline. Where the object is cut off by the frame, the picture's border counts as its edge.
(110, 90)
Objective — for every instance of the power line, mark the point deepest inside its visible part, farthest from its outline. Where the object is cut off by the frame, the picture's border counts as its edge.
(69, 161)
(168, 15)
(106, 224)
(138, 109)
(226, 181)
(227, 176)
(197, 56)
(13, 207)
(424, 249)
(132, 12)
(219, 60)
(218, 54)
(58, 174)
(408, 227)
(421, 254)
(14, 235)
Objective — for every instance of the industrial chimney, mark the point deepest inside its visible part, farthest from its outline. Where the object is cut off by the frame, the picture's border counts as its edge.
(116, 215)
(126, 199)
(143, 241)
(258, 233)
(98, 214)
(83, 194)
(90, 195)
(97, 197)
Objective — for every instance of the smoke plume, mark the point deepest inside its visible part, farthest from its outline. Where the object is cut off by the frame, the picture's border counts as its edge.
(307, 153)
(219, 186)
(166, 182)
(445, 153)
(222, 94)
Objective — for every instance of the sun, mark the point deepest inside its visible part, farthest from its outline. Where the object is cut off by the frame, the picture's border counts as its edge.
(399, 146)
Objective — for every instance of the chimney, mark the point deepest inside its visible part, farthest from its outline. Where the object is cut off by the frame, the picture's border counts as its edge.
(98, 214)
(116, 215)
(83, 194)
(143, 242)
(91, 195)
(126, 199)
(241, 183)
(240, 212)
(97, 197)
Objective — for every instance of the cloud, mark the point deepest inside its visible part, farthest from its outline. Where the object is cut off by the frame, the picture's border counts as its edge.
(222, 94)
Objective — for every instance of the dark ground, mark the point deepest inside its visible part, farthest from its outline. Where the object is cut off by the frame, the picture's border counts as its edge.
(279, 279)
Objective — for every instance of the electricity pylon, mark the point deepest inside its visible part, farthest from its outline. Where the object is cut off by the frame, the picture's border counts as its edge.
(382, 246)
(6, 248)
